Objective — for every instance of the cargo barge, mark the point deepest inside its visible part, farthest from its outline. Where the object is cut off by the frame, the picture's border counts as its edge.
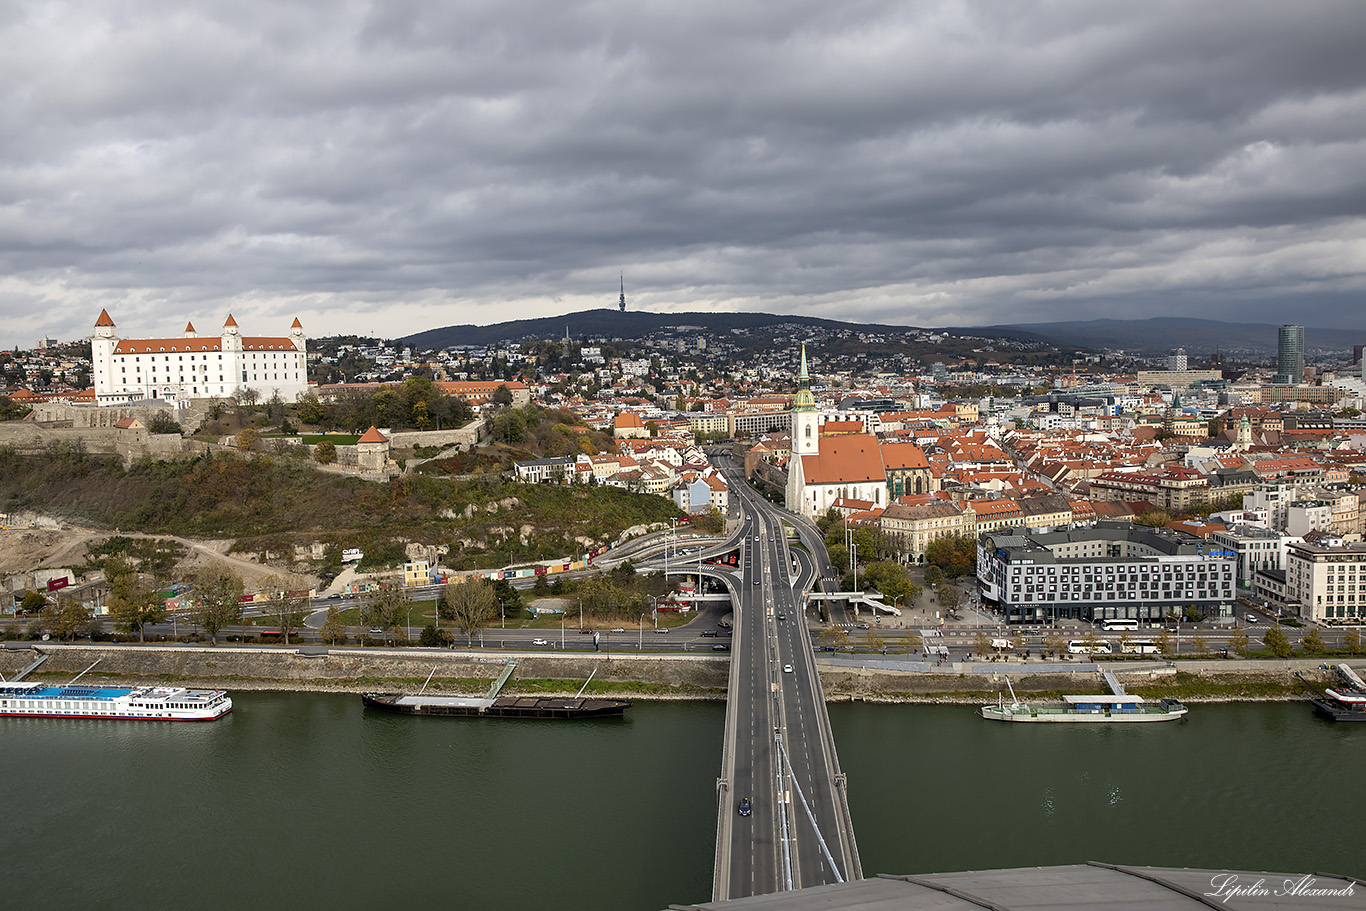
(538, 707)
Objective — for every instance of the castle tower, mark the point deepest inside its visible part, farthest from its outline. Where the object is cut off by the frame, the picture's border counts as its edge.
(621, 302)
(189, 331)
(232, 336)
(102, 344)
(296, 334)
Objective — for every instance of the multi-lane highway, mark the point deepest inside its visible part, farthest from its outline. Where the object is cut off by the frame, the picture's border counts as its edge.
(779, 756)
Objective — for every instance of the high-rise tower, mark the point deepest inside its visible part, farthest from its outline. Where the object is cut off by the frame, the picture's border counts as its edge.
(621, 302)
(1290, 355)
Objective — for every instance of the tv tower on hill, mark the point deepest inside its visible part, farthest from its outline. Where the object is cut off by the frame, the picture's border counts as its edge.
(621, 302)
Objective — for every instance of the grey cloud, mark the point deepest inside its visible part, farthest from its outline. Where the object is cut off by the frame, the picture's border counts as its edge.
(403, 164)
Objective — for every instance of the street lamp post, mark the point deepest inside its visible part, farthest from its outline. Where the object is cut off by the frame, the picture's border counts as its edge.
(408, 630)
(640, 644)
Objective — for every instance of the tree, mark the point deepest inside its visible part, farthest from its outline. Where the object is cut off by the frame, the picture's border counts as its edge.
(1054, 643)
(1351, 641)
(287, 608)
(948, 596)
(1200, 644)
(246, 439)
(1239, 642)
(162, 422)
(311, 411)
(218, 600)
(386, 608)
(1164, 643)
(981, 643)
(325, 453)
(892, 579)
(833, 635)
(502, 397)
(133, 603)
(65, 618)
(956, 555)
(933, 575)
(33, 603)
(471, 604)
(333, 631)
(1312, 643)
(875, 642)
(435, 638)
(911, 642)
(1277, 642)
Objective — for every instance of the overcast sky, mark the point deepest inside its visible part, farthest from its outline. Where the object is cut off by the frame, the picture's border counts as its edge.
(394, 166)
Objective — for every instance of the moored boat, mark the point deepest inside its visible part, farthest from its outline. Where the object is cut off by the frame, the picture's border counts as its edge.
(1343, 703)
(541, 707)
(1119, 707)
(143, 703)
(1100, 708)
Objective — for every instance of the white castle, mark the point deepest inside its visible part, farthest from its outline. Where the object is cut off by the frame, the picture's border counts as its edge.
(191, 367)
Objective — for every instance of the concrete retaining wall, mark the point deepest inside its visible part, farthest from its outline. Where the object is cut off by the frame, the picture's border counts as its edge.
(353, 670)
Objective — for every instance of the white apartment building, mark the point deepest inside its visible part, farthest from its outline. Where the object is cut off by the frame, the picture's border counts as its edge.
(191, 366)
(1326, 583)
(1254, 548)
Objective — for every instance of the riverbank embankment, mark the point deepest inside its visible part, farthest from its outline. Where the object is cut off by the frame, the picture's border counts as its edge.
(647, 676)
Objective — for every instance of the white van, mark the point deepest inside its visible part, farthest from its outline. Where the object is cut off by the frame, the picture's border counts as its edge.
(1002, 644)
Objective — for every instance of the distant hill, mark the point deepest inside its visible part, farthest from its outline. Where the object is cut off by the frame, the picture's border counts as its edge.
(609, 323)
(1156, 336)
(1198, 336)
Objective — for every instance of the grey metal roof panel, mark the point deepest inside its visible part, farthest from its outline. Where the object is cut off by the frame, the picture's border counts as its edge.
(1077, 887)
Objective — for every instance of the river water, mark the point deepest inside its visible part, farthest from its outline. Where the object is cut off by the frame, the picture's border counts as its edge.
(308, 800)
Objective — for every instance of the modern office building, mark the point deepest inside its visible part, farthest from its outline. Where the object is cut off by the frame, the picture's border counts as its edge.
(1110, 571)
(1290, 355)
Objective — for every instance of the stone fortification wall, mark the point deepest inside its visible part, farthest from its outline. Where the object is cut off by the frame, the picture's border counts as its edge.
(28, 436)
(188, 416)
(463, 436)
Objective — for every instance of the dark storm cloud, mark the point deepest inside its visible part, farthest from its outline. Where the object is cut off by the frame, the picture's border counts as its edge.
(387, 167)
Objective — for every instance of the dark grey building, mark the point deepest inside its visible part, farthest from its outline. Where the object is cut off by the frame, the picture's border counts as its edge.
(1290, 355)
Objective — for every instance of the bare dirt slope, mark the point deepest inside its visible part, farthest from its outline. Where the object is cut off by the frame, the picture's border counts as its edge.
(27, 549)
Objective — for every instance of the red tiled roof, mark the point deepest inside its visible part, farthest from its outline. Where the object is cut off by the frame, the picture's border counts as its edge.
(851, 458)
(171, 345)
(104, 319)
(373, 436)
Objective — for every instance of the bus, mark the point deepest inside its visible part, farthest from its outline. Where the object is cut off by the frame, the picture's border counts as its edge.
(1140, 647)
(1080, 647)
(1118, 623)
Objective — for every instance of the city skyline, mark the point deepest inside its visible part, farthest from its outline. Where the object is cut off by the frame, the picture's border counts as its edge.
(383, 171)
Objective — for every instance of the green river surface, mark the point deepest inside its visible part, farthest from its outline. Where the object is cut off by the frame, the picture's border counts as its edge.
(307, 800)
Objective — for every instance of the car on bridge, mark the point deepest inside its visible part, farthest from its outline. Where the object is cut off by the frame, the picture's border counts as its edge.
(744, 807)
(787, 668)
(539, 642)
